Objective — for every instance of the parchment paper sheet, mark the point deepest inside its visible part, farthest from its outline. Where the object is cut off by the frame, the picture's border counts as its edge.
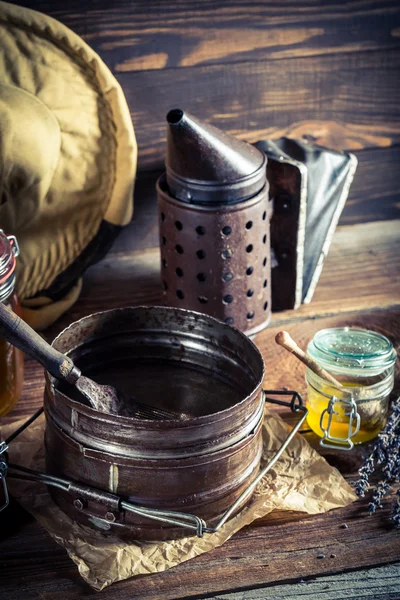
(301, 481)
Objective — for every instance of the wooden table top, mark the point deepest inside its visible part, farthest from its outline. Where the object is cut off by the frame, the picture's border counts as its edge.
(359, 286)
(326, 70)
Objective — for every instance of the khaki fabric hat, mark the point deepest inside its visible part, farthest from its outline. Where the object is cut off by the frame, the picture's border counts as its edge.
(67, 158)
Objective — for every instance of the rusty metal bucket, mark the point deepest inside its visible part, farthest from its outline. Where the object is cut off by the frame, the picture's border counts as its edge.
(200, 462)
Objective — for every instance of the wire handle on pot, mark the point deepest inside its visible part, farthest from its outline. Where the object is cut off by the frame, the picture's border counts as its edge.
(179, 519)
(118, 504)
(296, 405)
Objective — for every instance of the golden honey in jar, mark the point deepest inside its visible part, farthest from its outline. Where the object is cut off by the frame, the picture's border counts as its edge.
(362, 361)
(11, 359)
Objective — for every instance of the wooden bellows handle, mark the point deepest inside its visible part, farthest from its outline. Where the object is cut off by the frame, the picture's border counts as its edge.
(18, 333)
(283, 339)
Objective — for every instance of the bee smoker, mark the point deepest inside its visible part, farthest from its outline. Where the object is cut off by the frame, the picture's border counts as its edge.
(214, 215)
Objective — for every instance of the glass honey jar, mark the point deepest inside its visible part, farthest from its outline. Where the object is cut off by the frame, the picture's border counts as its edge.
(11, 359)
(354, 411)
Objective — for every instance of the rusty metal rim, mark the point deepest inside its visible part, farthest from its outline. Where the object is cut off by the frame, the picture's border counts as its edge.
(155, 424)
(201, 496)
(201, 441)
(161, 186)
(191, 421)
(184, 520)
(126, 452)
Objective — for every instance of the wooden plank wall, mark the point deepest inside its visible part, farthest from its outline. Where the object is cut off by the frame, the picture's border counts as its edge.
(326, 69)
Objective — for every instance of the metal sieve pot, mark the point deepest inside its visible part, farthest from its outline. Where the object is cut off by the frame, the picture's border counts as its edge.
(157, 479)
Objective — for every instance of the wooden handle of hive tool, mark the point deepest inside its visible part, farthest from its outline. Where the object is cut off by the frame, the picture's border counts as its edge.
(283, 339)
(18, 333)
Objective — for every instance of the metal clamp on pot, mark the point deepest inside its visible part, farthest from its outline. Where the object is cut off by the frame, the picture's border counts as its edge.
(115, 506)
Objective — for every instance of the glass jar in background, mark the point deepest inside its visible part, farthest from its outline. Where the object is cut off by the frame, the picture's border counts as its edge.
(362, 361)
(11, 359)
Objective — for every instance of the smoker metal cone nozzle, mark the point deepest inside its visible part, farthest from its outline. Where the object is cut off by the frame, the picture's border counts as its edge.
(207, 166)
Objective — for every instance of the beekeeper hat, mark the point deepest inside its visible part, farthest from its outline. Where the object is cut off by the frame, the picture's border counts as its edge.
(67, 158)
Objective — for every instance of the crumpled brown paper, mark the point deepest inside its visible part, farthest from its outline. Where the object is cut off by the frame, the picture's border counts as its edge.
(301, 480)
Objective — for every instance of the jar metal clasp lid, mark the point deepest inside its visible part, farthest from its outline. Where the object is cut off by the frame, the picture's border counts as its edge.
(350, 411)
(3, 473)
(13, 243)
(9, 250)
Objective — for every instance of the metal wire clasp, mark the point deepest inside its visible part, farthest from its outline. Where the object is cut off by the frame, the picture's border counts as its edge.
(296, 406)
(13, 243)
(3, 473)
(350, 411)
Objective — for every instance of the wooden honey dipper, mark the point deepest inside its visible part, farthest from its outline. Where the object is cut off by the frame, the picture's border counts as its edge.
(283, 339)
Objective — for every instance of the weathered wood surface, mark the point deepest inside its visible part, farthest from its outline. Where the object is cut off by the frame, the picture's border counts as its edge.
(282, 547)
(328, 71)
(142, 35)
(373, 197)
(382, 583)
(259, 100)
(374, 192)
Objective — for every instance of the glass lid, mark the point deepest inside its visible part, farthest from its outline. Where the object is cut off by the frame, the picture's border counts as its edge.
(351, 348)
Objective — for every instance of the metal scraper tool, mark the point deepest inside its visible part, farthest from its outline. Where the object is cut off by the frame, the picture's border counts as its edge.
(103, 398)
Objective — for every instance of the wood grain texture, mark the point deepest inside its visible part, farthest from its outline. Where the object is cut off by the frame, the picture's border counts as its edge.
(365, 255)
(374, 196)
(382, 583)
(347, 101)
(327, 71)
(278, 548)
(146, 35)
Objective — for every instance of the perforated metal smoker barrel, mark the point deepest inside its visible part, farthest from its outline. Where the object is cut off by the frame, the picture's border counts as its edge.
(216, 259)
(214, 224)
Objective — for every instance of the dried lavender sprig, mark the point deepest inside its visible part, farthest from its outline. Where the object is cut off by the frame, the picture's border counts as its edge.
(394, 419)
(361, 486)
(385, 455)
(391, 468)
(396, 510)
(379, 454)
(378, 494)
